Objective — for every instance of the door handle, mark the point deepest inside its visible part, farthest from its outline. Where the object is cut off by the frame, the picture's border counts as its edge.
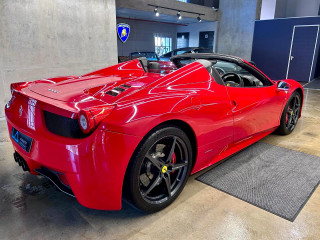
(234, 103)
(291, 58)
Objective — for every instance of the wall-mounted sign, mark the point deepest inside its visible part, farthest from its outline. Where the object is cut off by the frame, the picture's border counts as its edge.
(123, 30)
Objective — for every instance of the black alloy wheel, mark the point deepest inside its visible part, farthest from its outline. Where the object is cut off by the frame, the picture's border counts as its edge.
(160, 169)
(290, 115)
(293, 112)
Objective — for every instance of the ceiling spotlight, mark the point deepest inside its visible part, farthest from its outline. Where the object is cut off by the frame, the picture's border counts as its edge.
(179, 15)
(156, 12)
(199, 19)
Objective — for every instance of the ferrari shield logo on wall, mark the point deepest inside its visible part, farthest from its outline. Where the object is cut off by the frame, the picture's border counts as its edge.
(123, 31)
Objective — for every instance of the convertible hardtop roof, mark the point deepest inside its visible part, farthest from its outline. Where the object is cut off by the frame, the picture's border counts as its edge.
(207, 56)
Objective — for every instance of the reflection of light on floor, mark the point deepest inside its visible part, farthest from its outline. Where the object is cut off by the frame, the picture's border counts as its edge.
(234, 228)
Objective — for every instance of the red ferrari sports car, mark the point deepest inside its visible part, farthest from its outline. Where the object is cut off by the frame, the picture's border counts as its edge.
(131, 130)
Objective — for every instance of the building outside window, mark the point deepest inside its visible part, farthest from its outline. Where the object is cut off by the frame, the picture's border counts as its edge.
(163, 44)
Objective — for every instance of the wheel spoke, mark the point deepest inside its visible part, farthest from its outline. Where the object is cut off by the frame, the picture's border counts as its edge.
(296, 117)
(289, 119)
(168, 183)
(155, 161)
(177, 166)
(170, 155)
(152, 185)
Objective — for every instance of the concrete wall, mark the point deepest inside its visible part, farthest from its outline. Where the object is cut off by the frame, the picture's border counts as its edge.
(194, 30)
(40, 39)
(141, 36)
(237, 27)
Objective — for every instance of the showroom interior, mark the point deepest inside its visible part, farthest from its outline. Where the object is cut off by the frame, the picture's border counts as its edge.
(269, 190)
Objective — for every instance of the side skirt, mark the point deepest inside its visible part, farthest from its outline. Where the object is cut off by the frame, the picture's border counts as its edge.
(236, 147)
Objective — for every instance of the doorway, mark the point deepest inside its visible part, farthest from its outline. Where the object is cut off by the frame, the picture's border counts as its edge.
(206, 39)
(302, 53)
(182, 40)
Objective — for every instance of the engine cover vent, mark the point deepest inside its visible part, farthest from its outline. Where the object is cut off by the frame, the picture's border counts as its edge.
(112, 93)
(119, 89)
(125, 86)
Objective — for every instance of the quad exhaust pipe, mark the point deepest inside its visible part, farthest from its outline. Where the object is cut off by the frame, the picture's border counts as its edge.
(22, 163)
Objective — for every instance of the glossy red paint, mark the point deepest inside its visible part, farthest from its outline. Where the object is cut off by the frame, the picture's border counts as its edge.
(223, 120)
(167, 66)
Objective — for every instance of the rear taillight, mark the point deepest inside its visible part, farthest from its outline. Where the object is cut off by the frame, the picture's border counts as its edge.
(11, 89)
(84, 122)
(90, 118)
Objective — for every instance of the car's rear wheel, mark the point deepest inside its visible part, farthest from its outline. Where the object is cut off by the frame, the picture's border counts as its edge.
(159, 169)
(290, 115)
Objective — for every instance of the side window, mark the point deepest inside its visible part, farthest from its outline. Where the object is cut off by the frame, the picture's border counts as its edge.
(249, 77)
(259, 76)
(162, 44)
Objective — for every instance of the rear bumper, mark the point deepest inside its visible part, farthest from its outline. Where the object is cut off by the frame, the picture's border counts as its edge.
(94, 166)
(56, 180)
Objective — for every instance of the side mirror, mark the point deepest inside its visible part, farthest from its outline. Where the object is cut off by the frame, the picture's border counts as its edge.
(282, 86)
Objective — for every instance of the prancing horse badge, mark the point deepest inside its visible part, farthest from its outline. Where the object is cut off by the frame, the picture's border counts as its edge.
(123, 30)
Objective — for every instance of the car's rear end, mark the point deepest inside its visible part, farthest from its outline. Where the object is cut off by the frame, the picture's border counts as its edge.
(48, 139)
(73, 162)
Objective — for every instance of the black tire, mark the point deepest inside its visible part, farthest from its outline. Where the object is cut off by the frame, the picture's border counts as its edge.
(162, 161)
(290, 115)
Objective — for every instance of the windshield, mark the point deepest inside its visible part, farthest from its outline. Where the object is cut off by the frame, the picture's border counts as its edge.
(222, 67)
(229, 67)
(151, 56)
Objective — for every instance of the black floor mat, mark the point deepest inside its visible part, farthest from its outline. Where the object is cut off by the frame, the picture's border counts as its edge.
(314, 84)
(273, 178)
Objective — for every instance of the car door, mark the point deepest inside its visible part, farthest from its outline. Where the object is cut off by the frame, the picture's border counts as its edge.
(255, 109)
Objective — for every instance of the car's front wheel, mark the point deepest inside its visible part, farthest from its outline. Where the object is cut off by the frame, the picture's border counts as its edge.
(290, 115)
(159, 169)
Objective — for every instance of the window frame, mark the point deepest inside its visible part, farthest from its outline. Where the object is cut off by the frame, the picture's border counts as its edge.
(257, 74)
(252, 70)
(163, 39)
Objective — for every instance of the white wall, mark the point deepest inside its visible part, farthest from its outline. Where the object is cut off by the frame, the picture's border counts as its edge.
(194, 30)
(268, 9)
